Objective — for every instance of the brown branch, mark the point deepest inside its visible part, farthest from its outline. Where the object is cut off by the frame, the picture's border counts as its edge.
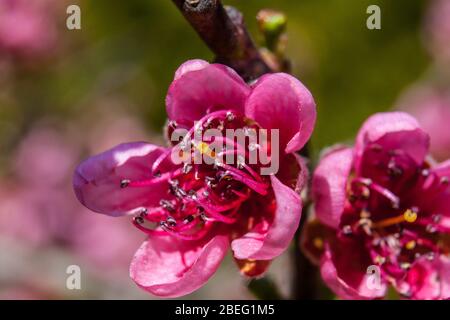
(224, 32)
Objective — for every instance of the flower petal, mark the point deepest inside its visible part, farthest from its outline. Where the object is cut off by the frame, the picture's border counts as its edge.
(329, 185)
(190, 65)
(200, 88)
(280, 101)
(344, 269)
(439, 194)
(428, 280)
(262, 244)
(168, 267)
(392, 131)
(97, 180)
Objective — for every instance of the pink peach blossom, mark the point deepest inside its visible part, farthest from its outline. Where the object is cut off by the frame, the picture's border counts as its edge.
(27, 28)
(195, 212)
(381, 203)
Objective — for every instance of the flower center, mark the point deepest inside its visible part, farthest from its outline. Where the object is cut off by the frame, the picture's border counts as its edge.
(392, 214)
(203, 193)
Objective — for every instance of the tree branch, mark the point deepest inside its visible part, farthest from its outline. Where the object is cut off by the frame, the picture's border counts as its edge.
(224, 32)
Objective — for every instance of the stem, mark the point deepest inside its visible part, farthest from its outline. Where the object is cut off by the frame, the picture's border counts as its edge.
(224, 32)
(305, 277)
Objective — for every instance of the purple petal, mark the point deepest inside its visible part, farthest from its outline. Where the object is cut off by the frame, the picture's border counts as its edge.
(97, 180)
(199, 89)
(329, 185)
(168, 267)
(280, 101)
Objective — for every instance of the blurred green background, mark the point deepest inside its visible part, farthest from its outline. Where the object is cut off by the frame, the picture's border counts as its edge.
(132, 48)
(127, 51)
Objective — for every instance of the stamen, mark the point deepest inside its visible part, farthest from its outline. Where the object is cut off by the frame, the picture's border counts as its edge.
(410, 245)
(380, 190)
(408, 216)
(124, 183)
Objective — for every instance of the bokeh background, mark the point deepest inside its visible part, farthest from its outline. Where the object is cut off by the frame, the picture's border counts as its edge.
(67, 94)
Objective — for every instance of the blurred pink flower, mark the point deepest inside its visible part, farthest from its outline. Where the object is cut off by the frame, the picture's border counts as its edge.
(38, 209)
(27, 27)
(431, 107)
(437, 30)
(198, 209)
(382, 204)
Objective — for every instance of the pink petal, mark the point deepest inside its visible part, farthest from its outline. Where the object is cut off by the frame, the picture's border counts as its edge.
(190, 65)
(266, 245)
(429, 280)
(199, 88)
(392, 131)
(280, 101)
(168, 267)
(344, 269)
(329, 185)
(97, 180)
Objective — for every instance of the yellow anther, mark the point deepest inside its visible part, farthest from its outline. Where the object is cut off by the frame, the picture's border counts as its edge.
(410, 245)
(248, 266)
(410, 216)
(204, 149)
(318, 243)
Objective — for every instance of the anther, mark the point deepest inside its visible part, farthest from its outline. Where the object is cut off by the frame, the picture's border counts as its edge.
(393, 170)
(437, 218)
(230, 116)
(187, 168)
(166, 205)
(347, 230)
(138, 220)
(380, 260)
(410, 216)
(143, 212)
(405, 265)
(157, 174)
(173, 124)
(124, 183)
(193, 3)
(430, 256)
(430, 228)
(410, 245)
(171, 222)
